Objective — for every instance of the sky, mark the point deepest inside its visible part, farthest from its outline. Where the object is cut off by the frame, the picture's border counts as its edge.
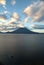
(16, 14)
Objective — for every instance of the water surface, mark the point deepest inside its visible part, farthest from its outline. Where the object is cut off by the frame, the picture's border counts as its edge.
(21, 47)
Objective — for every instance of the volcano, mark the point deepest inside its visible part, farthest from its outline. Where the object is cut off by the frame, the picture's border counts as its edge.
(23, 31)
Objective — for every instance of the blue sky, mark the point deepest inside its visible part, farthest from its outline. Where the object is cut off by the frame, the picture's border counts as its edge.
(21, 13)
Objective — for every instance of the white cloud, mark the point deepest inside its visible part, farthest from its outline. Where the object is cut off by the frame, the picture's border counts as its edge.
(15, 15)
(9, 25)
(21, 25)
(3, 2)
(37, 27)
(26, 19)
(13, 2)
(4, 12)
(2, 19)
(35, 11)
(14, 18)
(38, 30)
(4, 6)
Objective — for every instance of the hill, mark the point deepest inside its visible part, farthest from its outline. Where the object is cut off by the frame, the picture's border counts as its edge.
(22, 31)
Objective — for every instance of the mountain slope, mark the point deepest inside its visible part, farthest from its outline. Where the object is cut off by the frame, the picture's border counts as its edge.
(22, 31)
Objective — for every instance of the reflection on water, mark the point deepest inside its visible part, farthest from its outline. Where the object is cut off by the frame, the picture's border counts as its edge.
(24, 47)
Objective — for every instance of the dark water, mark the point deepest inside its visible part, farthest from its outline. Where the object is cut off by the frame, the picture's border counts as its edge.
(21, 49)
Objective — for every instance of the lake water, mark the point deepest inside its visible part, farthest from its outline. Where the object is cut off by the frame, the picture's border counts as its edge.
(21, 48)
